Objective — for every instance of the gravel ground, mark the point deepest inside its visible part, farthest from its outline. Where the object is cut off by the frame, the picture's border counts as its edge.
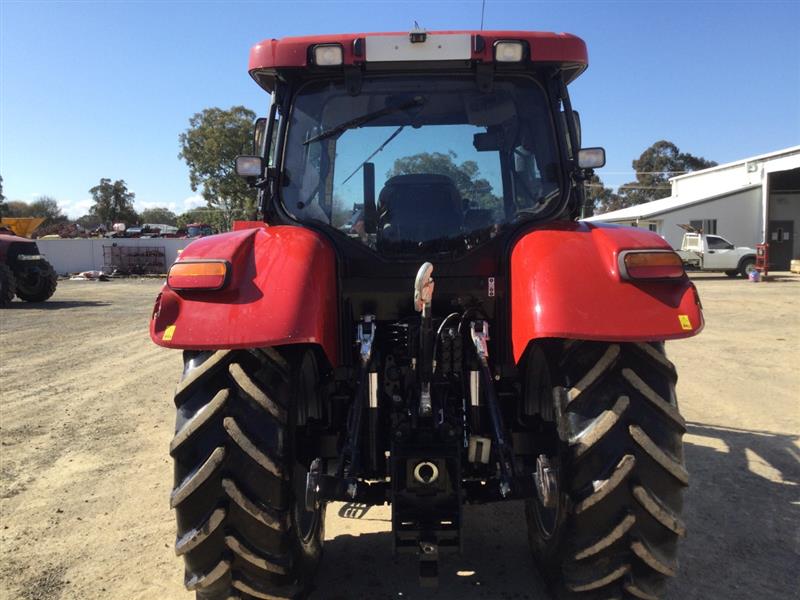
(86, 418)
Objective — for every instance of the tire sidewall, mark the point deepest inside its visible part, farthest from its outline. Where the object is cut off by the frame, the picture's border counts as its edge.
(7, 285)
(306, 549)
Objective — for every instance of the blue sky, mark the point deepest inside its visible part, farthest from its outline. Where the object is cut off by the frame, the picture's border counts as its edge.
(102, 89)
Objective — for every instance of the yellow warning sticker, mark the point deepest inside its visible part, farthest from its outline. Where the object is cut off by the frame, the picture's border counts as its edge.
(684, 320)
(169, 332)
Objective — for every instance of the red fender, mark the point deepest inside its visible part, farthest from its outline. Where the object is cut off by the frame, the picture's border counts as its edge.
(282, 290)
(565, 283)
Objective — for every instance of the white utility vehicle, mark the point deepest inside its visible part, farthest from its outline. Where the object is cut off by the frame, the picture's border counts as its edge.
(707, 252)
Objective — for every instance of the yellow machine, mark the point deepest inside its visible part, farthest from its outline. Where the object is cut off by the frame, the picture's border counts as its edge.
(22, 226)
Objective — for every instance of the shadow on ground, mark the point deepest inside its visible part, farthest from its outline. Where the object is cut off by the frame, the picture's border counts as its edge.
(496, 562)
(743, 514)
(776, 277)
(742, 511)
(56, 304)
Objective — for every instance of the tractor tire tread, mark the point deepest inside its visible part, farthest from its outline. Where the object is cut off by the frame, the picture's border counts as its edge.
(199, 374)
(594, 375)
(197, 535)
(44, 288)
(248, 387)
(624, 474)
(599, 427)
(232, 494)
(200, 418)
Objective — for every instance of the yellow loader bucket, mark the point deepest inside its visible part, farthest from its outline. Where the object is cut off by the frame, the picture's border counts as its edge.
(22, 226)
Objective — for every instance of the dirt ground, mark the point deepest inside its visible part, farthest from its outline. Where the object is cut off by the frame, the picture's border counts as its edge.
(86, 417)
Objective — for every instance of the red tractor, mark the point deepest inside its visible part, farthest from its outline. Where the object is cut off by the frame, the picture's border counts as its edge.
(23, 271)
(322, 365)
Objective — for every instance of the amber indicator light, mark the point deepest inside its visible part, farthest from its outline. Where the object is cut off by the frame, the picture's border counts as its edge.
(198, 275)
(653, 265)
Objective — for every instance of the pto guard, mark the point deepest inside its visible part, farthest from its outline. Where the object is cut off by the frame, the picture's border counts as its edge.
(282, 290)
(565, 283)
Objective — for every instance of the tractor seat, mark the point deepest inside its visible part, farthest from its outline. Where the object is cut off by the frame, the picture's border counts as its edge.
(419, 208)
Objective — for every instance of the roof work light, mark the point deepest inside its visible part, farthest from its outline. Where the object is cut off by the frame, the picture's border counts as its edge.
(328, 55)
(508, 51)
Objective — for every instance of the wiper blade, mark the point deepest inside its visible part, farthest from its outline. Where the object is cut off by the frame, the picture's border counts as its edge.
(363, 119)
(378, 149)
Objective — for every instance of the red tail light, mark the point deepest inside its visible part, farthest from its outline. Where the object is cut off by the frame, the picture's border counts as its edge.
(198, 275)
(650, 264)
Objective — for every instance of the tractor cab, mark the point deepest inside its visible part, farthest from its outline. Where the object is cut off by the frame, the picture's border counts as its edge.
(440, 141)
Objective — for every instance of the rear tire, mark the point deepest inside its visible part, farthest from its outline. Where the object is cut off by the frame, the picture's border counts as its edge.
(42, 288)
(242, 526)
(8, 286)
(615, 530)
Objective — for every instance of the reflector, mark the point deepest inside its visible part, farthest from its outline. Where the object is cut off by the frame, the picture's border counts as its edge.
(198, 275)
(650, 264)
(327, 55)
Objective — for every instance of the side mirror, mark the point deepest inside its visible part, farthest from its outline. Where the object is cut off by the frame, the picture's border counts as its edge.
(249, 167)
(591, 158)
(259, 136)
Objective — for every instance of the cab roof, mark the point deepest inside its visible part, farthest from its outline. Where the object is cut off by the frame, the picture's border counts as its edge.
(269, 56)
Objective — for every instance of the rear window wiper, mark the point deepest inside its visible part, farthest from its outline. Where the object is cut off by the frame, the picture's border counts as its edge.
(359, 121)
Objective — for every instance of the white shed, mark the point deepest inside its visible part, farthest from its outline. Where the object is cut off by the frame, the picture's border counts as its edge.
(748, 202)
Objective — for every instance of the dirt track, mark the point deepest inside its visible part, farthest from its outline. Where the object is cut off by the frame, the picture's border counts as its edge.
(86, 418)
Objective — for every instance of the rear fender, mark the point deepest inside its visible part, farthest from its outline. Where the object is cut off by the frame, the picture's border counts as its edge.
(565, 283)
(282, 290)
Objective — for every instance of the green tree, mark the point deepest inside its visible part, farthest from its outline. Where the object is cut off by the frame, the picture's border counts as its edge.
(160, 215)
(113, 203)
(3, 205)
(210, 146)
(47, 207)
(210, 216)
(598, 196)
(89, 222)
(17, 208)
(656, 165)
(466, 175)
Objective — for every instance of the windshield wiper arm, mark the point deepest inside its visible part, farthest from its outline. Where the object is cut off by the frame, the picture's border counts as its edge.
(359, 121)
(378, 149)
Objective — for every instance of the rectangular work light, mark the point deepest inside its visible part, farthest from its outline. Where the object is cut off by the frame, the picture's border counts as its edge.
(509, 51)
(650, 264)
(198, 275)
(327, 55)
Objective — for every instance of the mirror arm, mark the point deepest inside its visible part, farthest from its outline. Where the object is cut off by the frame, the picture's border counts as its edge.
(571, 129)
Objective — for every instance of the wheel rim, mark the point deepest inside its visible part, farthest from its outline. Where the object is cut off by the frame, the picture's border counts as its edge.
(548, 519)
(749, 268)
(306, 521)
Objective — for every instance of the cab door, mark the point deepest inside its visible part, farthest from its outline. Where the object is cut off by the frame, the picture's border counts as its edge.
(719, 254)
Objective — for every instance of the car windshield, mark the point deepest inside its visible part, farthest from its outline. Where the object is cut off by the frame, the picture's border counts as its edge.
(421, 162)
(198, 230)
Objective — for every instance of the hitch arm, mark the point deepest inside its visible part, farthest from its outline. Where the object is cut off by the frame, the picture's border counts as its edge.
(479, 331)
(350, 464)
